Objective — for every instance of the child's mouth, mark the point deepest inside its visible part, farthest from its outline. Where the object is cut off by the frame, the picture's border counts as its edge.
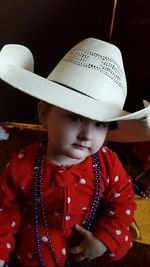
(80, 147)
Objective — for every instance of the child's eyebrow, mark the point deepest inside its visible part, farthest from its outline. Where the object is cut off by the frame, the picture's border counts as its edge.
(84, 118)
(77, 115)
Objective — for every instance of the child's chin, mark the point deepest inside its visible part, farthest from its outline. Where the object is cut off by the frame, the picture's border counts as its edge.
(80, 155)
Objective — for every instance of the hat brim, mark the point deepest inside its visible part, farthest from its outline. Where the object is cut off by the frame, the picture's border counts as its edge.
(131, 126)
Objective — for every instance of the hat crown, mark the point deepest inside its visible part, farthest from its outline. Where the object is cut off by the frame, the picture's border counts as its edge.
(93, 68)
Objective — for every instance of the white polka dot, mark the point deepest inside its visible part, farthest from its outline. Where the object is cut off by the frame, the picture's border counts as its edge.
(112, 254)
(29, 255)
(20, 156)
(22, 187)
(67, 217)
(13, 224)
(83, 222)
(118, 232)
(104, 149)
(116, 178)
(44, 238)
(63, 251)
(129, 181)
(126, 238)
(8, 245)
(111, 213)
(108, 180)
(7, 164)
(84, 208)
(131, 244)
(116, 195)
(18, 257)
(82, 181)
(1, 209)
(68, 200)
(128, 212)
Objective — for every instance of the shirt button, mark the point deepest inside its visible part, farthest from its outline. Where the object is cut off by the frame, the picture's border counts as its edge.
(67, 217)
(82, 181)
(56, 213)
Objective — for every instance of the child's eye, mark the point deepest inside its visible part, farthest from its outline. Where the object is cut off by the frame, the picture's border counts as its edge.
(100, 124)
(75, 118)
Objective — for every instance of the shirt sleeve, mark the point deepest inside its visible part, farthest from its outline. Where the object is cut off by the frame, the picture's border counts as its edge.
(118, 205)
(10, 210)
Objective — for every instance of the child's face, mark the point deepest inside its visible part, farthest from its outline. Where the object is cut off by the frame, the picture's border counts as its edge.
(73, 136)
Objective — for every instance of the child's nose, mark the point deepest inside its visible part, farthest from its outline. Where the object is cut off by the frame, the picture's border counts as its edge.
(86, 132)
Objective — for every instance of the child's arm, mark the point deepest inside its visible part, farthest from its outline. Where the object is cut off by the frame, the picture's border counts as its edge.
(111, 228)
(118, 203)
(10, 217)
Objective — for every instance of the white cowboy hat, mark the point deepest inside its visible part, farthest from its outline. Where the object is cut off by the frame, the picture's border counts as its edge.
(89, 80)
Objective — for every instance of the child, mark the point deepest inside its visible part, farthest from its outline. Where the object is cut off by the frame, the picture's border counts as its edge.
(69, 199)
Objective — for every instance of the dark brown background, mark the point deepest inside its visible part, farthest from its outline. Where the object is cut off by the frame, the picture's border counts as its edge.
(50, 27)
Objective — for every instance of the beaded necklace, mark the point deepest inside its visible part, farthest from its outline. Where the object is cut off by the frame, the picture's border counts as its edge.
(38, 205)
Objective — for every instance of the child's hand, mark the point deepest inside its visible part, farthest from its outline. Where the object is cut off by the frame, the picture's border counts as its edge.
(90, 247)
(2, 263)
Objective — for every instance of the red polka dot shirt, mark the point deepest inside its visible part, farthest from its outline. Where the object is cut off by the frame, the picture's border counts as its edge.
(67, 196)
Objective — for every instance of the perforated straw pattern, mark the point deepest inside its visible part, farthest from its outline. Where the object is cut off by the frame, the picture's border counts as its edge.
(97, 62)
